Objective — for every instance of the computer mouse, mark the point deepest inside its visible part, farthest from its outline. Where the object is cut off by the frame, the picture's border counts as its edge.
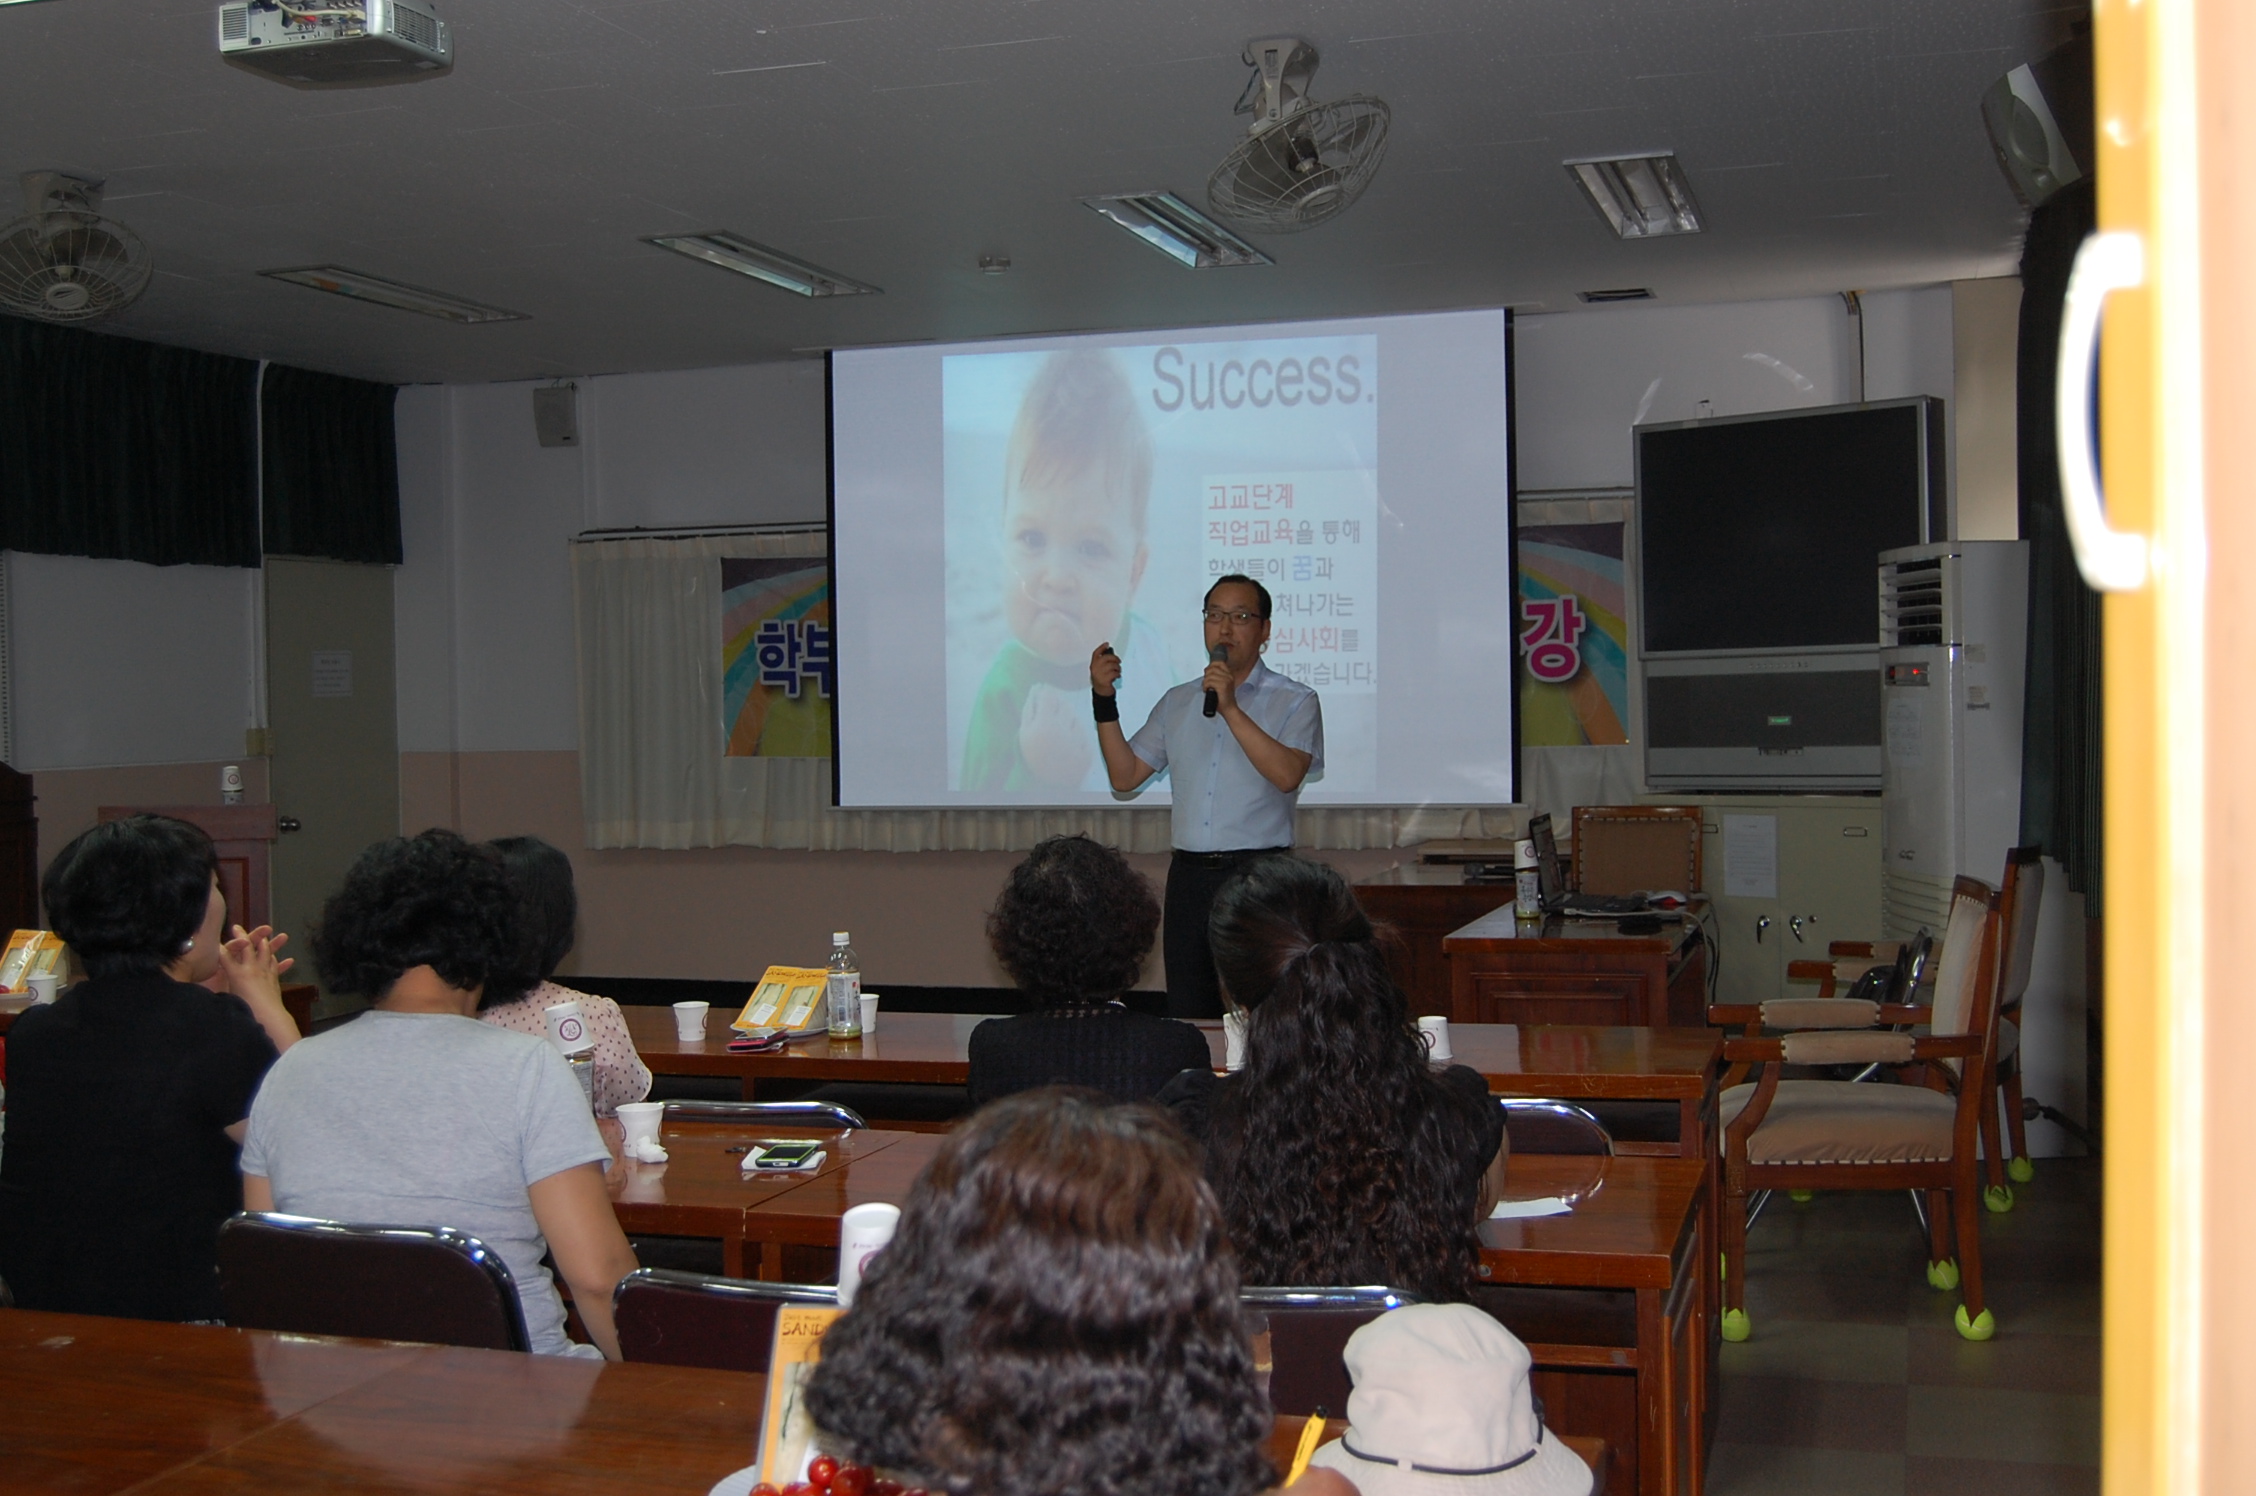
(1665, 900)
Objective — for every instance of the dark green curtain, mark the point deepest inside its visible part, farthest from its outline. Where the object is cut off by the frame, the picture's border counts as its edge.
(2060, 744)
(125, 450)
(332, 472)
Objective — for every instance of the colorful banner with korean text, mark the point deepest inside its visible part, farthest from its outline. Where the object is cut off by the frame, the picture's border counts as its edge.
(1574, 636)
(776, 670)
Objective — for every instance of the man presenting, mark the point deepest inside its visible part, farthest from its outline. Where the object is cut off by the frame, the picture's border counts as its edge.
(1236, 768)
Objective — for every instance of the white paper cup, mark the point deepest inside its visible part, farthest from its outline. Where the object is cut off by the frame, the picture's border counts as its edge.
(689, 1020)
(862, 1233)
(567, 1028)
(45, 987)
(1234, 1038)
(641, 1120)
(1435, 1031)
(869, 1012)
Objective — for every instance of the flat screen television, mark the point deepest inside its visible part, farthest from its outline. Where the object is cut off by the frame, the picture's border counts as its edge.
(1764, 532)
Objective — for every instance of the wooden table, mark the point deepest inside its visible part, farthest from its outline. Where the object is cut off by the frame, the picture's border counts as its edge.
(94, 1406)
(1424, 901)
(809, 1216)
(1571, 1062)
(100, 1406)
(1577, 971)
(703, 1190)
(1613, 1292)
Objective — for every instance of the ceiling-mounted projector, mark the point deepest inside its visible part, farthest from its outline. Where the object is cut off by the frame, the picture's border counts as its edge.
(335, 43)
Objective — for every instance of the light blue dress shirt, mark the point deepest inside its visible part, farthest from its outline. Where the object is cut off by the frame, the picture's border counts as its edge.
(1222, 804)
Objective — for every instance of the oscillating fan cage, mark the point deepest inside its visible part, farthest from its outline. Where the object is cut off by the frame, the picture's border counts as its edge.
(70, 267)
(1307, 167)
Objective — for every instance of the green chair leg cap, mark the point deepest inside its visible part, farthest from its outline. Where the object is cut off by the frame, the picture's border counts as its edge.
(1737, 1327)
(1944, 1274)
(1801, 1197)
(1981, 1327)
(1998, 1198)
(2020, 1170)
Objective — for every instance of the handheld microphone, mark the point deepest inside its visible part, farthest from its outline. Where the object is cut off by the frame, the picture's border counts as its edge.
(1219, 655)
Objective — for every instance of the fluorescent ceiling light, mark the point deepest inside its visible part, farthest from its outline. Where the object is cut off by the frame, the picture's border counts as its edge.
(733, 252)
(338, 281)
(1177, 230)
(1641, 197)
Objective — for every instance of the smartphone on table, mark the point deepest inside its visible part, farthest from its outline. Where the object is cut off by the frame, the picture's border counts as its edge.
(777, 1153)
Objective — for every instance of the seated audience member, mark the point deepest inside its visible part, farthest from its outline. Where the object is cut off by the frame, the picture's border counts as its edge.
(1340, 1155)
(1442, 1405)
(1057, 1312)
(1073, 927)
(417, 1114)
(548, 913)
(127, 1095)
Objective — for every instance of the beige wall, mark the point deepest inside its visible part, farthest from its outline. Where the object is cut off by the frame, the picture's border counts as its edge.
(917, 918)
(68, 798)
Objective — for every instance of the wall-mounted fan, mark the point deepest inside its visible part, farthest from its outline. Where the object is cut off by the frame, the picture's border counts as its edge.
(66, 262)
(1302, 162)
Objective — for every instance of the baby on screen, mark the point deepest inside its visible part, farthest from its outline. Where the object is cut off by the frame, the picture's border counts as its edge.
(1076, 491)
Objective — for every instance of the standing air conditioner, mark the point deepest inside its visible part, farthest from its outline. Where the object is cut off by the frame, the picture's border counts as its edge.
(1953, 662)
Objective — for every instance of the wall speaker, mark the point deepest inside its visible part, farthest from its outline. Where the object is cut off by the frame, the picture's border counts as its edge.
(2040, 121)
(556, 415)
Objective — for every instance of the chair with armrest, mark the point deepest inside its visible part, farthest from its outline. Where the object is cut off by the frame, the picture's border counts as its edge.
(1919, 1134)
(2024, 881)
(312, 1277)
(768, 1113)
(692, 1319)
(1307, 1331)
(1533, 1125)
(1621, 849)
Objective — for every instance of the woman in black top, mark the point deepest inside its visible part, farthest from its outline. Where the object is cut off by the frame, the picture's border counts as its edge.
(1072, 928)
(127, 1096)
(1340, 1155)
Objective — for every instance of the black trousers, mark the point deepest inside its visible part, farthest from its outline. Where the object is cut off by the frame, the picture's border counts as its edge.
(1193, 879)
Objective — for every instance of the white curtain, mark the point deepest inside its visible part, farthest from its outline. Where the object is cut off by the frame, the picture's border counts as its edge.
(653, 773)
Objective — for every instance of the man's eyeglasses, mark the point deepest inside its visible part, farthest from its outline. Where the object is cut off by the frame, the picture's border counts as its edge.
(1242, 620)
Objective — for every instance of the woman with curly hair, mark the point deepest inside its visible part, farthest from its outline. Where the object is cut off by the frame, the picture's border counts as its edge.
(127, 1094)
(417, 1114)
(548, 919)
(1058, 1312)
(1340, 1155)
(1073, 927)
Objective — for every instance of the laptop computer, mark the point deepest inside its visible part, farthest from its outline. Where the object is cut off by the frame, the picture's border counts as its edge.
(1557, 899)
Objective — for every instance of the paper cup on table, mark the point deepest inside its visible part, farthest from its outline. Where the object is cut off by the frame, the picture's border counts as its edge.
(45, 987)
(689, 1020)
(567, 1028)
(640, 1119)
(1234, 1039)
(863, 1232)
(1435, 1032)
(869, 1012)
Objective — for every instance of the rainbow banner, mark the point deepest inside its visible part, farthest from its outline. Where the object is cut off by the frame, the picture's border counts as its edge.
(1574, 637)
(777, 672)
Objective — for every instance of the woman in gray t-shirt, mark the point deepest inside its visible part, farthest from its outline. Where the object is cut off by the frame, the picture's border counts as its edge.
(415, 1113)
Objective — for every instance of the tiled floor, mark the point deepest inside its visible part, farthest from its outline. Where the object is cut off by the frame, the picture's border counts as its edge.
(1855, 1384)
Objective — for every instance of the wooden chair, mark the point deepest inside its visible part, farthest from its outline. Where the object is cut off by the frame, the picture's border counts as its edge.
(2024, 885)
(692, 1319)
(1622, 849)
(1918, 1135)
(313, 1277)
(1306, 1331)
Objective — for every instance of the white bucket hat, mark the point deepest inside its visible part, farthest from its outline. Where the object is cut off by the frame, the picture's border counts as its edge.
(1441, 1407)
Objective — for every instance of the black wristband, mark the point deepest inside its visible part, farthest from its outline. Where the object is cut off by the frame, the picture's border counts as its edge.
(1107, 707)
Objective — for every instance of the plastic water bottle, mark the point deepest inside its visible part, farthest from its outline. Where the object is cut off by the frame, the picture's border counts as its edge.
(844, 990)
(1527, 881)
